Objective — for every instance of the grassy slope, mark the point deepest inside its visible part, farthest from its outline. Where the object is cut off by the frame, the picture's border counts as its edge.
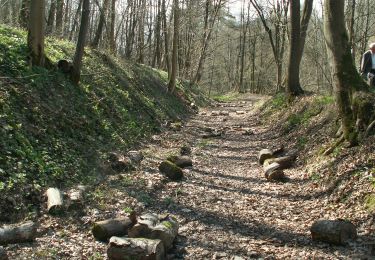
(54, 133)
(309, 126)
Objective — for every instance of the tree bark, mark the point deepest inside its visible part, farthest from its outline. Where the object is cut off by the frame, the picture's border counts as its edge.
(112, 41)
(35, 37)
(104, 230)
(24, 14)
(59, 17)
(51, 17)
(55, 201)
(19, 233)
(173, 74)
(99, 31)
(346, 77)
(77, 61)
(135, 248)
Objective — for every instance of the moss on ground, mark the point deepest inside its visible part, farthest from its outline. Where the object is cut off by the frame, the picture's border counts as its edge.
(55, 133)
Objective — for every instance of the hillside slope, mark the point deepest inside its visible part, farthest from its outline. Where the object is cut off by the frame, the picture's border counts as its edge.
(55, 133)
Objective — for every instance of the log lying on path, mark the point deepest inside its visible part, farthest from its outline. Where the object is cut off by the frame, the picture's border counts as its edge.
(171, 170)
(264, 154)
(150, 226)
(3, 254)
(54, 201)
(121, 248)
(181, 161)
(18, 233)
(274, 172)
(104, 230)
(333, 231)
(284, 162)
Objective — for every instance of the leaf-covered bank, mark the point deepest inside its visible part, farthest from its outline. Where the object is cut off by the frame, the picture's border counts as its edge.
(55, 133)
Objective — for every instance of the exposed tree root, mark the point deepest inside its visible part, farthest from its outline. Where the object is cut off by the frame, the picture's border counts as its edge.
(337, 143)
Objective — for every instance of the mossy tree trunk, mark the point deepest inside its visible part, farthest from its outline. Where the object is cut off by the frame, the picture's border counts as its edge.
(346, 77)
(35, 37)
(77, 62)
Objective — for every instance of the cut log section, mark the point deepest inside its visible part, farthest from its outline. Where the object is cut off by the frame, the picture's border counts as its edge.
(135, 248)
(265, 154)
(171, 170)
(150, 226)
(104, 230)
(76, 197)
(181, 161)
(54, 201)
(18, 233)
(285, 162)
(3, 254)
(336, 232)
(274, 172)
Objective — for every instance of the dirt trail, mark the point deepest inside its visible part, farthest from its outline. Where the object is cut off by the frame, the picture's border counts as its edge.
(227, 208)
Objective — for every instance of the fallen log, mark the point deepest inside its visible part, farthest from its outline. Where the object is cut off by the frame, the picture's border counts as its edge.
(264, 154)
(121, 248)
(18, 233)
(150, 226)
(285, 162)
(336, 232)
(104, 230)
(181, 161)
(3, 254)
(274, 172)
(54, 201)
(171, 170)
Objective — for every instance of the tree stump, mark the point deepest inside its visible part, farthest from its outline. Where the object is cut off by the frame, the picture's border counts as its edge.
(135, 248)
(18, 233)
(120, 163)
(185, 150)
(171, 170)
(181, 161)
(274, 172)
(54, 201)
(135, 156)
(150, 226)
(264, 154)
(76, 197)
(3, 254)
(104, 230)
(336, 232)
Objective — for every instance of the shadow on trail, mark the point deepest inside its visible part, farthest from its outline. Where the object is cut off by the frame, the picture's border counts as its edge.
(252, 229)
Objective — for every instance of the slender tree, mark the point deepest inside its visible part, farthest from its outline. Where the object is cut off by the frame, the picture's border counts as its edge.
(99, 30)
(176, 22)
(77, 61)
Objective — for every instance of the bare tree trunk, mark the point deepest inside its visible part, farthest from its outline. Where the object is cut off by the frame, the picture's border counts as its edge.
(51, 17)
(24, 14)
(112, 41)
(173, 74)
(293, 87)
(35, 37)
(99, 31)
(75, 22)
(77, 61)
(166, 36)
(59, 17)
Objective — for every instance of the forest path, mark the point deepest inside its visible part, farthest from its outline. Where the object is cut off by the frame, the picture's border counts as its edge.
(226, 208)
